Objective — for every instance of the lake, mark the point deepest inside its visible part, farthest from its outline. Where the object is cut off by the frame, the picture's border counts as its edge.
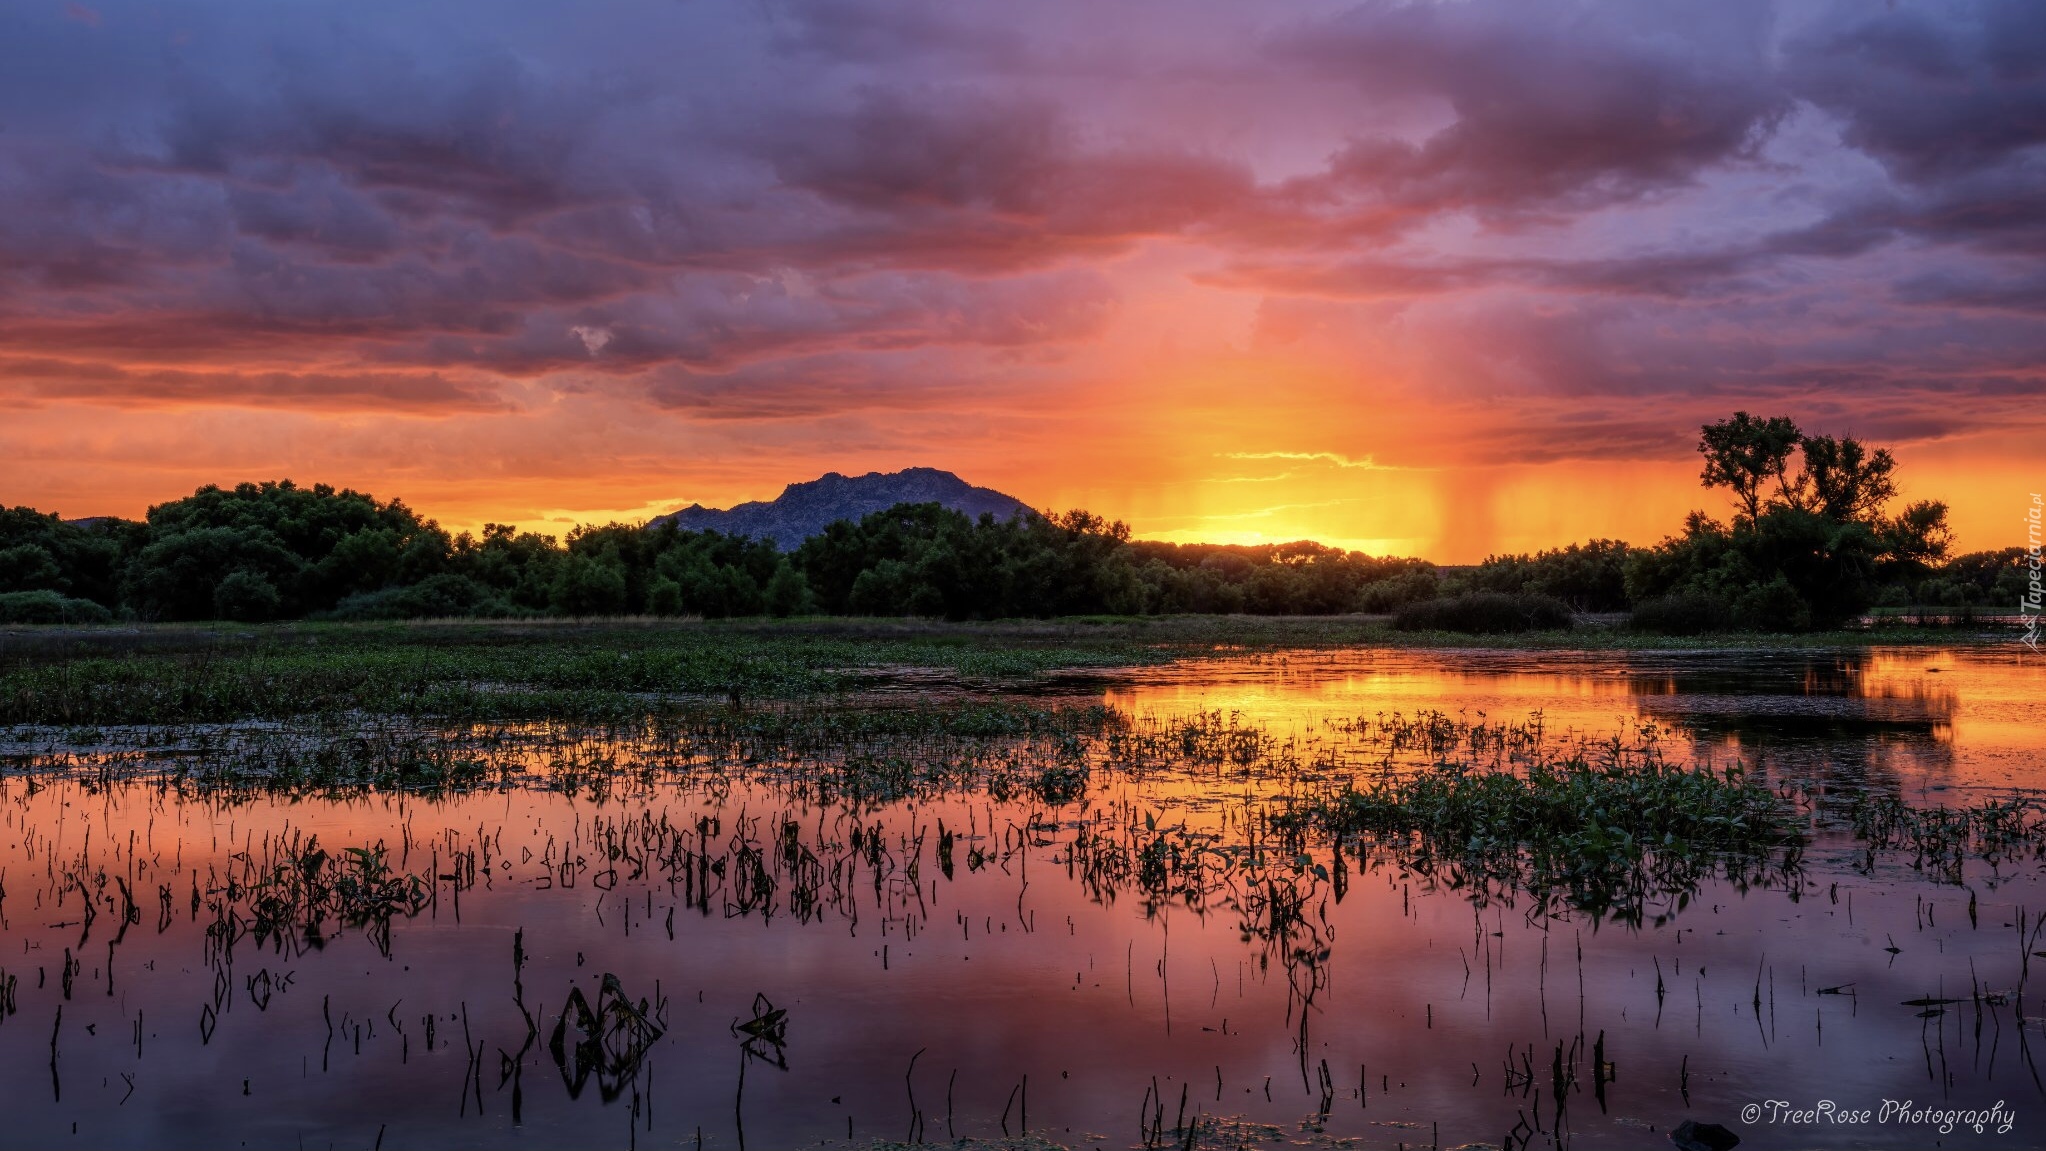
(1068, 915)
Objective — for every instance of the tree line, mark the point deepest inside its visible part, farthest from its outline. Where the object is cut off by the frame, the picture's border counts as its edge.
(271, 551)
(1810, 544)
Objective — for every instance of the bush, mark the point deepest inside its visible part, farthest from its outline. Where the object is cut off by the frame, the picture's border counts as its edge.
(1588, 577)
(246, 596)
(587, 586)
(1388, 595)
(50, 607)
(1485, 613)
(1686, 613)
(435, 597)
(664, 597)
(1773, 606)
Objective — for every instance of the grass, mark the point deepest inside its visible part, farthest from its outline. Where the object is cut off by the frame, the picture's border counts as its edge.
(751, 785)
(1494, 809)
(599, 706)
(860, 757)
(1942, 840)
(284, 901)
(1606, 832)
(1489, 807)
(598, 670)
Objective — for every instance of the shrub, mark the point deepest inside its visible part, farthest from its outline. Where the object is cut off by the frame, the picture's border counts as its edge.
(50, 607)
(1391, 594)
(1773, 606)
(435, 597)
(664, 597)
(587, 586)
(1485, 613)
(246, 596)
(1686, 613)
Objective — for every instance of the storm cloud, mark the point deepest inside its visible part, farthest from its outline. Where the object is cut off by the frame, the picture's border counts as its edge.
(803, 211)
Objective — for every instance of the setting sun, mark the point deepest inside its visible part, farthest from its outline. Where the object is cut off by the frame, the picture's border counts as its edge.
(868, 575)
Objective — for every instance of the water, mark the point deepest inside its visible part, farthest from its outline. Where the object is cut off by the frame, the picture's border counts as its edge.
(717, 880)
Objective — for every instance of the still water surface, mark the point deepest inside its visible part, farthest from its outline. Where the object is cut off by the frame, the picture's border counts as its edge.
(825, 967)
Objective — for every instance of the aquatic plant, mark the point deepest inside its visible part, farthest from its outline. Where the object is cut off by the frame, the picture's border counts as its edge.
(1604, 836)
(1941, 839)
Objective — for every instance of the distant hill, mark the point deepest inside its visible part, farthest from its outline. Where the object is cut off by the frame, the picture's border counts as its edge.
(803, 510)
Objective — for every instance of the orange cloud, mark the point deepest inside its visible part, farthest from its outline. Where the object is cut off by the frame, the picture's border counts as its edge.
(1444, 279)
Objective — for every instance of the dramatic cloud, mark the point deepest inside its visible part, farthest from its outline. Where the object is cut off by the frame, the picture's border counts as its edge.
(1551, 108)
(1933, 91)
(425, 393)
(1116, 255)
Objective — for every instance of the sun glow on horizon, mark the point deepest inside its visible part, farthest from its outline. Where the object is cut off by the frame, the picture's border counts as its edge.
(1308, 295)
(1448, 514)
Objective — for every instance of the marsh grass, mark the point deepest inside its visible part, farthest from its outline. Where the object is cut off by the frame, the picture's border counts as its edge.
(283, 901)
(822, 811)
(1489, 807)
(616, 670)
(1608, 837)
(809, 809)
(1942, 840)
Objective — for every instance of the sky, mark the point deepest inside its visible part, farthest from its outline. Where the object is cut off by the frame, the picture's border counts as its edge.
(1429, 278)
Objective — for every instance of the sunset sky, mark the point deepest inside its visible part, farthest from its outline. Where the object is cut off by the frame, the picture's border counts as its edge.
(1429, 278)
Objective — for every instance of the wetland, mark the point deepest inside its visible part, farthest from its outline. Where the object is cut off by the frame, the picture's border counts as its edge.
(1200, 884)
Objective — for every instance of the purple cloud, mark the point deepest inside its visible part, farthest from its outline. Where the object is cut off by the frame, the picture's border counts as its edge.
(720, 208)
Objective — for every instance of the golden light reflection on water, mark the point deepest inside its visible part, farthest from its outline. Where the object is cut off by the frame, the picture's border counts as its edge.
(1007, 958)
(1967, 717)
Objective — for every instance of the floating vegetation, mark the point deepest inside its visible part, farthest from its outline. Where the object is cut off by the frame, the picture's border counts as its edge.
(1608, 836)
(611, 1039)
(1942, 840)
(766, 1035)
(283, 900)
(984, 916)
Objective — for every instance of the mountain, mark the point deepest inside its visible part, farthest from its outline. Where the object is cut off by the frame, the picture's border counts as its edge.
(804, 510)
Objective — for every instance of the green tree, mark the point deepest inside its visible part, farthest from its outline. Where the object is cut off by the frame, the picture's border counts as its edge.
(787, 593)
(587, 585)
(1743, 453)
(176, 575)
(1589, 576)
(1844, 481)
(313, 546)
(29, 567)
(1913, 541)
(39, 552)
(1815, 554)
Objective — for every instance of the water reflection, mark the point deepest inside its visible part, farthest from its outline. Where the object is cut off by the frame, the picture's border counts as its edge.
(779, 931)
(1920, 720)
